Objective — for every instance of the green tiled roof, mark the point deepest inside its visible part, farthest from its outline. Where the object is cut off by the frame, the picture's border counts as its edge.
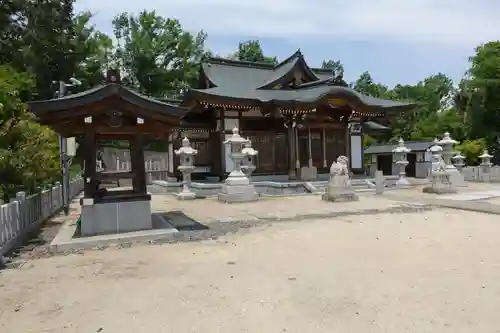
(252, 83)
(309, 94)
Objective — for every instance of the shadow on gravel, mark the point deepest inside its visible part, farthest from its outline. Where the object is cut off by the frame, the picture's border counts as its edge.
(182, 222)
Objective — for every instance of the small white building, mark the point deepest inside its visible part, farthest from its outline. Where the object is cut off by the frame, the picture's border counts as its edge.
(380, 157)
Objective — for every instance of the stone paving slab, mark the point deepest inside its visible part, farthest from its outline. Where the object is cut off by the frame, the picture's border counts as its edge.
(469, 196)
(467, 205)
(210, 210)
(493, 201)
(472, 189)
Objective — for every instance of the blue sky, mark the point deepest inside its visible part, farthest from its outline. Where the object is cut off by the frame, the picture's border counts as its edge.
(397, 41)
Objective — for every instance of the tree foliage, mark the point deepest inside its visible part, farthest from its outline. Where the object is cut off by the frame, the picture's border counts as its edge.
(252, 51)
(158, 56)
(336, 67)
(28, 151)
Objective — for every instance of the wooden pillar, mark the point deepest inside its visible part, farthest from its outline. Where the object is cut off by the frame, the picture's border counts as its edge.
(137, 161)
(221, 138)
(323, 145)
(347, 142)
(297, 155)
(90, 155)
(291, 152)
(170, 167)
(216, 152)
(309, 148)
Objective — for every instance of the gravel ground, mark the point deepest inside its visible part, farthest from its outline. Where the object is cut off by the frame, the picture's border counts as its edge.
(435, 271)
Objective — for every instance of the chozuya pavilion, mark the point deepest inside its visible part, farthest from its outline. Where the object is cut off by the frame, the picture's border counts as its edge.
(111, 112)
(299, 118)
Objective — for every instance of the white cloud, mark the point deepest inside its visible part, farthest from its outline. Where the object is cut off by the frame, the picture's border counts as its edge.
(462, 23)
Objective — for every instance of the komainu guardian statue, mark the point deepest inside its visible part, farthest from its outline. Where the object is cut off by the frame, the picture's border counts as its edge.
(339, 186)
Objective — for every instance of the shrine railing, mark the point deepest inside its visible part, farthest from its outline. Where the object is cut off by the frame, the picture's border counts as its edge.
(26, 213)
(482, 174)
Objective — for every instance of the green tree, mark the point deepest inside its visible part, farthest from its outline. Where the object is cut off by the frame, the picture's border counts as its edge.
(336, 67)
(49, 43)
(472, 149)
(365, 85)
(28, 151)
(479, 96)
(11, 31)
(158, 56)
(97, 48)
(252, 51)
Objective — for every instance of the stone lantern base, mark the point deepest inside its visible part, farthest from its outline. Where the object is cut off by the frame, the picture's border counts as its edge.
(186, 195)
(439, 190)
(402, 182)
(440, 184)
(237, 193)
(456, 178)
(237, 189)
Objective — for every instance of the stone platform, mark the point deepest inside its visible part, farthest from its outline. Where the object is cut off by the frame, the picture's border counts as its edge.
(207, 211)
(181, 217)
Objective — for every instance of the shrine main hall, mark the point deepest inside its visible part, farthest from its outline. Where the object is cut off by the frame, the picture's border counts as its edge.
(299, 119)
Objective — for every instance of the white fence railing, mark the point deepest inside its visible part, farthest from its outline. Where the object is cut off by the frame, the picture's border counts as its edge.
(481, 173)
(24, 214)
(150, 165)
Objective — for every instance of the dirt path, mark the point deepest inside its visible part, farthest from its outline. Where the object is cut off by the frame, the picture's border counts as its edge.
(433, 271)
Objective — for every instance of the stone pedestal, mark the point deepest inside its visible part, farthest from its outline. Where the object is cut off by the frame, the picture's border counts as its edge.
(339, 187)
(308, 173)
(186, 194)
(237, 186)
(379, 182)
(116, 217)
(440, 183)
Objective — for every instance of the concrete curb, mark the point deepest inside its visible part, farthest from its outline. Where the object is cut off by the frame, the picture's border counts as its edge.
(64, 244)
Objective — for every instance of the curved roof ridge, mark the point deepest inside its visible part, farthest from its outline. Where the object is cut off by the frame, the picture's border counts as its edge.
(280, 72)
(314, 83)
(295, 60)
(296, 54)
(102, 92)
(239, 63)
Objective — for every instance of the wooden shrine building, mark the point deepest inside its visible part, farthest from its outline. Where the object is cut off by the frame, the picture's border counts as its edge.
(299, 118)
(111, 112)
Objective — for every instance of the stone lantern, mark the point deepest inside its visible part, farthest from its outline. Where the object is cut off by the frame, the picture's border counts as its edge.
(186, 154)
(486, 158)
(459, 161)
(456, 178)
(485, 165)
(237, 186)
(248, 163)
(401, 160)
(447, 143)
(439, 176)
(435, 151)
